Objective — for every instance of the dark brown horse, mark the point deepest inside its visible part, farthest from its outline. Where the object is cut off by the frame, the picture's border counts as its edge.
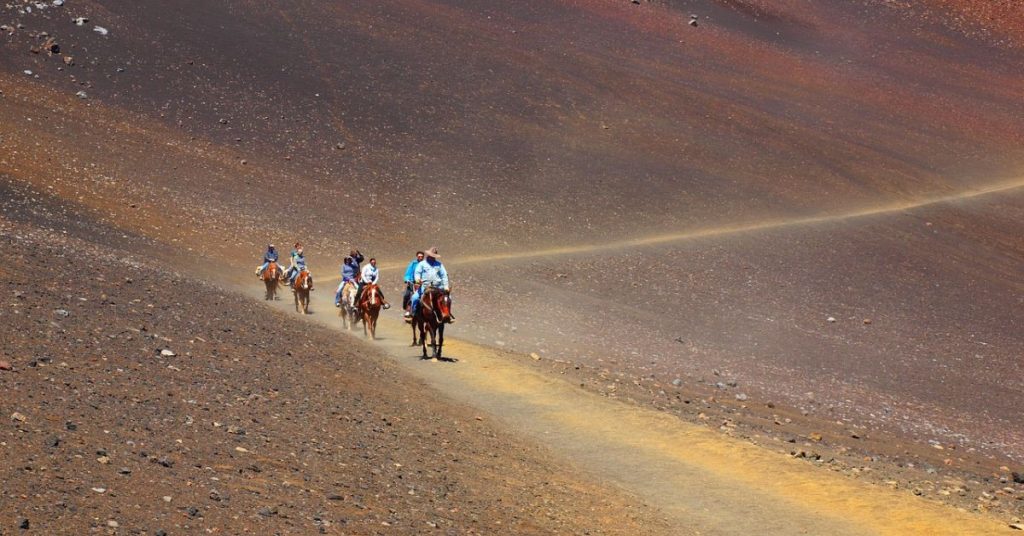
(271, 277)
(303, 284)
(433, 314)
(370, 303)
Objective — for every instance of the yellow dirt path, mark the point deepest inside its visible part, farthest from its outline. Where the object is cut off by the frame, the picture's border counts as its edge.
(705, 483)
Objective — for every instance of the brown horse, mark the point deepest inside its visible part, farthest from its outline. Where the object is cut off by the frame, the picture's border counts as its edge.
(271, 277)
(370, 304)
(303, 284)
(434, 312)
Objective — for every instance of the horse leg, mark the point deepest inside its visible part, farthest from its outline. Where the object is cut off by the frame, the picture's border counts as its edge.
(423, 339)
(296, 302)
(440, 340)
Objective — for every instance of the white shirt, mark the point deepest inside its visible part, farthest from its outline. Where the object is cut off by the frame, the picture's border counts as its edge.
(370, 274)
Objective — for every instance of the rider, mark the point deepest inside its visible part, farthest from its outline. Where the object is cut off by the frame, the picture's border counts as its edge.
(430, 272)
(268, 257)
(370, 274)
(298, 265)
(410, 277)
(349, 272)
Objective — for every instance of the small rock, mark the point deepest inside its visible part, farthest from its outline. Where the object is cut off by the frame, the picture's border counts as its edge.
(267, 511)
(18, 417)
(193, 512)
(867, 321)
(62, 313)
(100, 490)
(814, 436)
(103, 459)
(160, 532)
(340, 146)
(24, 524)
(27, 72)
(1018, 478)
(82, 95)
(693, 22)
(113, 524)
(124, 471)
(1017, 526)
(831, 320)
(535, 356)
(53, 442)
(236, 430)
(741, 397)
(167, 353)
(70, 426)
(166, 498)
(165, 462)
(69, 61)
(80, 21)
(677, 382)
(100, 30)
(5, 365)
(58, 3)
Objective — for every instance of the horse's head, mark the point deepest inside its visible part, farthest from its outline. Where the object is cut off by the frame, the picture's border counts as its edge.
(444, 304)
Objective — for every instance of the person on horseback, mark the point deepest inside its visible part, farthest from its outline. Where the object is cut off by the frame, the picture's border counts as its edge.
(268, 257)
(298, 265)
(430, 272)
(370, 274)
(349, 272)
(410, 278)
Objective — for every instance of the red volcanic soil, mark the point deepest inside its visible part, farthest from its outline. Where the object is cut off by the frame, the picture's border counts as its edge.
(799, 160)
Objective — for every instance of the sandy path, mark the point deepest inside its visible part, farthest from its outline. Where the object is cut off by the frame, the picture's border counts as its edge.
(704, 482)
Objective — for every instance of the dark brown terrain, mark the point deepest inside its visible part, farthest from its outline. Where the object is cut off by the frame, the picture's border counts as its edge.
(795, 221)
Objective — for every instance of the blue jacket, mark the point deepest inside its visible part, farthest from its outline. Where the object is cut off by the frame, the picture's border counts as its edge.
(299, 259)
(270, 256)
(349, 269)
(410, 272)
(432, 272)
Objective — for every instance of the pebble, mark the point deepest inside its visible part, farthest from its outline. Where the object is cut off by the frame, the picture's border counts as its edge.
(677, 382)
(741, 397)
(24, 524)
(113, 524)
(18, 417)
(167, 353)
(63, 312)
(5, 365)
(82, 95)
(831, 320)
(80, 21)
(100, 30)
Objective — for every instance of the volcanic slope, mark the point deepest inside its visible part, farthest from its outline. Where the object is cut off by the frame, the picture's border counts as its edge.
(142, 401)
(491, 128)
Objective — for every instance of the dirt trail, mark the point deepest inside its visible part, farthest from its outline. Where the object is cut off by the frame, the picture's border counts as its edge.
(704, 482)
(723, 230)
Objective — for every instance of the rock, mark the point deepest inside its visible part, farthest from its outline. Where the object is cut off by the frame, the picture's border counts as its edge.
(70, 426)
(63, 313)
(1017, 526)
(160, 532)
(165, 462)
(535, 356)
(58, 3)
(1018, 478)
(24, 524)
(113, 524)
(103, 459)
(741, 397)
(80, 21)
(267, 511)
(867, 321)
(100, 30)
(6, 365)
(124, 471)
(340, 146)
(693, 22)
(53, 442)
(167, 353)
(193, 512)
(814, 436)
(831, 320)
(27, 72)
(335, 497)
(236, 430)
(69, 61)
(82, 95)
(18, 417)
(677, 382)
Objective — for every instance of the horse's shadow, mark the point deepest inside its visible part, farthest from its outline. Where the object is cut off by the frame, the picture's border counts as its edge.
(444, 359)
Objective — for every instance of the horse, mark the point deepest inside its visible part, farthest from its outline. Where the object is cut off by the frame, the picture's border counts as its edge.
(271, 277)
(303, 284)
(370, 304)
(348, 311)
(433, 314)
